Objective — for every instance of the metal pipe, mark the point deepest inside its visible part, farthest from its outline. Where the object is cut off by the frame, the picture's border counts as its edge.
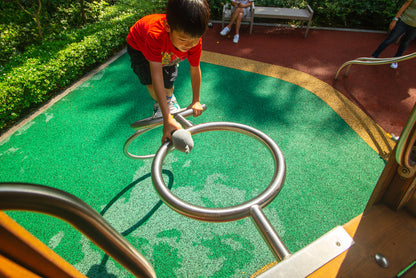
(406, 143)
(57, 203)
(228, 213)
(369, 61)
(269, 234)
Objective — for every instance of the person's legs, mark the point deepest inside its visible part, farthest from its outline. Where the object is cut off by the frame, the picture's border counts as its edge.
(392, 37)
(238, 22)
(227, 29)
(409, 36)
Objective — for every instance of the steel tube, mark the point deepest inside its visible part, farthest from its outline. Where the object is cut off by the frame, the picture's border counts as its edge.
(369, 61)
(54, 202)
(269, 234)
(228, 213)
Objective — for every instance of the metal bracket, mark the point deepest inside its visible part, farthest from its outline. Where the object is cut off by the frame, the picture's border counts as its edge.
(313, 256)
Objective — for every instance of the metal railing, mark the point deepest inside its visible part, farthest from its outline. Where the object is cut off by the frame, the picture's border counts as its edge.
(57, 203)
(406, 147)
(368, 61)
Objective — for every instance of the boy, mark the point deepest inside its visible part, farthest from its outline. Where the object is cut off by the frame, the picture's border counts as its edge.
(157, 43)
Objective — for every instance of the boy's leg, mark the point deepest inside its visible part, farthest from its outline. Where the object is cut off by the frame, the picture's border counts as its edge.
(152, 93)
(141, 68)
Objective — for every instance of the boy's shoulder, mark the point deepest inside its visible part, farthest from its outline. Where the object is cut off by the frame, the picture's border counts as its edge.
(151, 18)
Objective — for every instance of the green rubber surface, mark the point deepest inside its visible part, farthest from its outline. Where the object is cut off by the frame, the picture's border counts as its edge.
(77, 146)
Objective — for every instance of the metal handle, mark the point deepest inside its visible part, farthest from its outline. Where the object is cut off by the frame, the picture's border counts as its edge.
(148, 124)
(249, 208)
(57, 203)
(405, 146)
(372, 61)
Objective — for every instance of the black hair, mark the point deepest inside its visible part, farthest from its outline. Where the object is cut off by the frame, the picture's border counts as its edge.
(188, 16)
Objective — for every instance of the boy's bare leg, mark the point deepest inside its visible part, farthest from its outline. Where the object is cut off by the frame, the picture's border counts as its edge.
(169, 92)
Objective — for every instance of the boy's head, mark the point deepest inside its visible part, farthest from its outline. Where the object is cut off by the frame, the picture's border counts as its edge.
(188, 16)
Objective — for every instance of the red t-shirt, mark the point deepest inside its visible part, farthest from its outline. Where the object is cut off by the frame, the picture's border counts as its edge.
(149, 36)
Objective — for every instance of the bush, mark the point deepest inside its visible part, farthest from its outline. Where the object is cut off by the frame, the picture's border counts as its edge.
(44, 70)
(31, 72)
(374, 15)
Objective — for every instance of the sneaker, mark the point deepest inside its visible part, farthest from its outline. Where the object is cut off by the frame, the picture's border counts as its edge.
(236, 38)
(172, 104)
(157, 113)
(394, 65)
(225, 31)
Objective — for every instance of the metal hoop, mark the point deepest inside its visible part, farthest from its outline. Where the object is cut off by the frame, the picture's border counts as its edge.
(131, 139)
(228, 213)
(149, 124)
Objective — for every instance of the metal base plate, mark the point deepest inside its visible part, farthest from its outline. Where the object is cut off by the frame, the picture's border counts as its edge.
(313, 256)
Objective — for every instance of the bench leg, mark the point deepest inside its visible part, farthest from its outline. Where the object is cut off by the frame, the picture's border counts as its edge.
(307, 28)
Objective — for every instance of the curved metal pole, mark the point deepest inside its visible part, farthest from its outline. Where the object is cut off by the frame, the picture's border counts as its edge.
(227, 213)
(406, 143)
(368, 61)
(249, 208)
(54, 202)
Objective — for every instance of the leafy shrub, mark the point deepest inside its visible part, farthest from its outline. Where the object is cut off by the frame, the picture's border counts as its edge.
(374, 15)
(41, 72)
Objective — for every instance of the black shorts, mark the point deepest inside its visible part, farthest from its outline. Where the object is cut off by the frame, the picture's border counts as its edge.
(141, 68)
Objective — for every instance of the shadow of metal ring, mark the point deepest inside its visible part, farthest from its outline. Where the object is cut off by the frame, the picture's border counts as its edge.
(225, 214)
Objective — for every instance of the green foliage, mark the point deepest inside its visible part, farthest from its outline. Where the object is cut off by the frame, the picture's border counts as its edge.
(55, 16)
(374, 15)
(38, 74)
(32, 72)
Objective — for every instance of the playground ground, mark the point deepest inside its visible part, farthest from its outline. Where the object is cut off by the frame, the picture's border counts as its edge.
(333, 134)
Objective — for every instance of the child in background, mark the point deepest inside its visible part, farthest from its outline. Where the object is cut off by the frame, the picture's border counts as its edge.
(241, 8)
(157, 43)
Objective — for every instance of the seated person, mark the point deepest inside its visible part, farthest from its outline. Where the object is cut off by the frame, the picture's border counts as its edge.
(241, 8)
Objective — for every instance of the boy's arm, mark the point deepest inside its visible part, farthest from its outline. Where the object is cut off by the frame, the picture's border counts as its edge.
(196, 90)
(169, 124)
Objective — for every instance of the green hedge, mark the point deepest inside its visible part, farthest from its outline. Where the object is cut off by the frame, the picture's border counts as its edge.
(374, 15)
(33, 77)
(44, 70)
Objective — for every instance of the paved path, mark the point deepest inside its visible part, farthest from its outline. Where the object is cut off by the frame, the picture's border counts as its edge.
(386, 95)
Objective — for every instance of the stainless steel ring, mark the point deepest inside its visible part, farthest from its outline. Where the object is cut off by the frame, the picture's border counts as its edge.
(228, 213)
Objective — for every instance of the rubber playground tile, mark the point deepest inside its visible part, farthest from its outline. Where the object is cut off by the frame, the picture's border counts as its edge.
(77, 146)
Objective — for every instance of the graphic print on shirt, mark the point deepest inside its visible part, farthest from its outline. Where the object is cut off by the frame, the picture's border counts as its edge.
(167, 59)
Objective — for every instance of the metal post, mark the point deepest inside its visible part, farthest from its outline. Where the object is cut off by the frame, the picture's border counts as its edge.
(269, 234)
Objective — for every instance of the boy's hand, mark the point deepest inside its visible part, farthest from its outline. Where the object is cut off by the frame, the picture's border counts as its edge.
(169, 126)
(197, 108)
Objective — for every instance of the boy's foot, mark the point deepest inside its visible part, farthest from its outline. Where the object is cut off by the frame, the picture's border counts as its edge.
(225, 31)
(236, 38)
(394, 65)
(157, 113)
(172, 104)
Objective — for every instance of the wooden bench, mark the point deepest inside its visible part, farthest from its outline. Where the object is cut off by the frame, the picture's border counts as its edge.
(286, 13)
